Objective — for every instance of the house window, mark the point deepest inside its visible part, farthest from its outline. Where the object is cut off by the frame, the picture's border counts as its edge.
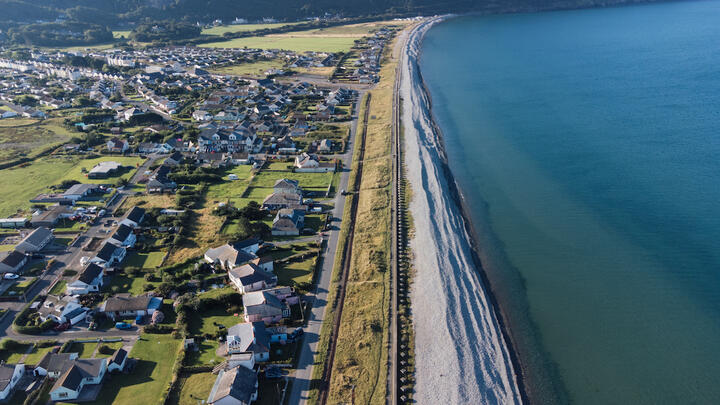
(62, 394)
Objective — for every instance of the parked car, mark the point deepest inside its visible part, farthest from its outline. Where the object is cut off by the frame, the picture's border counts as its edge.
(62, 327)
(10, 276)
(122, 325)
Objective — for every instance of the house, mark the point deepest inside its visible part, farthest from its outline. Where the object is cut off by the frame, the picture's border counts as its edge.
(10, 374)
(236, 386)
(117, 145)
(104, 170)
(287, 186)
(266, 263)
(108, 255)
(249, 337)
(80, 373)
(78, 191)
(51, 216)
(288, 221)
(12, 262)
(277, 201)
(89, 280)
(127, 306)
(229, 256)
(123, 236)
(285, 294)
(159, 181)
(305, 163)
(52, 365)
(201, 115)
(62, 309)
(35, 241)
(118, 360)
(174, 159)
(249, 277)
(134, 217)
(264, 306)
(325, 146)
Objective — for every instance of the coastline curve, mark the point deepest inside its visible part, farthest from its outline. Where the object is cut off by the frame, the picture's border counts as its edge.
(463, 354)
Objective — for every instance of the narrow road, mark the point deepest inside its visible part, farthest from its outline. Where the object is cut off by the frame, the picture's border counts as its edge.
(303, 373)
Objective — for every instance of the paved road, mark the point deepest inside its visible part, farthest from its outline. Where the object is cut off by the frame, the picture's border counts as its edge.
(303, 373)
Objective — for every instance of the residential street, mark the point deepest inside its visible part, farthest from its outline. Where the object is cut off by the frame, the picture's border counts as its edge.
(303, 373)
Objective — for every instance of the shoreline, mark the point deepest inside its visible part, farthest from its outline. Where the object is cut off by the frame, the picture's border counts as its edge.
(502, 346)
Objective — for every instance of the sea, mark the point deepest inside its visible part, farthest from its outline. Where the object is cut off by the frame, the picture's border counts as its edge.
(586, 145)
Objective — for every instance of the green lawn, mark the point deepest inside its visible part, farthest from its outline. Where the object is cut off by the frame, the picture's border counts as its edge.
(112, 345)
(6, 248)
(290, 43)
(291, 274)
(156, 355)
(219, 30)
(148, 260)
(196, 388)
(278, 170)
(84, 350)
(19, 287)
(255, 69)
(15, 355)
(230, 188)
(20, 184)
(205, 355)
(125, 284)
(58, 288)
(205, 322)
(216, 292)
(37, 354)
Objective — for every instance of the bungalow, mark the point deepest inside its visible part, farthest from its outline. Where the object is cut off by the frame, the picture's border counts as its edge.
(17, 222)
(126, 306)
(174, 159)
(249, 337)
(89, 280)
(266, 263)
(104, 170)
(264, 306)
(325, 146)
(229, 256)
(51, 217)
(288, 221)
(159, 181)
(117, 145)
(287, 186)
(12, 262)
(109, 255)
(201, 115)
(78, 191)
(249, 277)
(236, 386)
(80, 373)
(134, 217)
(277, 201)
(10, 374)
(62, 309)
(123, 236)
(305, 163)
(118, 360)
(36, 240)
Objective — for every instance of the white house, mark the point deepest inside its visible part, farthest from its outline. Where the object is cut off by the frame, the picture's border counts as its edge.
(134, 217)
(250, 277)
(35, 240)
(127, 306)
(81, 372)
(109, 255)
(62, 309)
(305, 163)
(118, 360)
(89, 280)
(249, 337)
(123, 236)
(12, 262)
(236, 386)
(9, 376)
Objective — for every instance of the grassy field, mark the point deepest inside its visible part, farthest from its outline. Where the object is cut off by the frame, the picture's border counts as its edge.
(14, 356)
(361, 355)
(156, 356)
(276, 171)
(196, 388)
(21, 137)
(333, 39)
(230, 189)
(112, 345)
(84, 350)
(37, 354)
(149, 260)
(219, 30)
(255, 69)
(199, 325)
(75, 173)
(205, 355)
(295, 273)
(120, 34)
(21, 183)
(125, 284)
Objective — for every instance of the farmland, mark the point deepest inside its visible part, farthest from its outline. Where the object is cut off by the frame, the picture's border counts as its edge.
(256, 69)
(20, 137)
(222, 29)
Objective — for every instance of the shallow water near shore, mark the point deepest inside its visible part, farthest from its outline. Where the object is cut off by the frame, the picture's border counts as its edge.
(586, 146)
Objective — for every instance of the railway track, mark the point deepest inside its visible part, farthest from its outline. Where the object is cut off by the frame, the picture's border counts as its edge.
(346, 262)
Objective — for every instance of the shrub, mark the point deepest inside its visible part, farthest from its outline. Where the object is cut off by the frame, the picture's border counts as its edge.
(68, 272)
(105, 349)
(9, 344)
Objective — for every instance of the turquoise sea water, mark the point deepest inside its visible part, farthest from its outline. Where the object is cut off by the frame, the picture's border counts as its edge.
(587, 146)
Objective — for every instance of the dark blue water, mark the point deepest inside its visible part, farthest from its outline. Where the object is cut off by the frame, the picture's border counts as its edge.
(587, 146)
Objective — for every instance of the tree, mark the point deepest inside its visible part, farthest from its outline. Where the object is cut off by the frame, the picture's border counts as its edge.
(26, 100)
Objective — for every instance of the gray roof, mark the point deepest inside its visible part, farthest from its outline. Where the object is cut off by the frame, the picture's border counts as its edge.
(107, 251)
(81, 189)
(135, 214)
(78, 370)
(38, 236)
(238, 383)
(250, 273)
(12, 259)
(249, 337)
(57, 362)
(229, 253)
(6, 373)
(262, 303)
(90, 273)
(287, 199)
(119, 356)
(124, 302)
(286, 183)
(121, 233)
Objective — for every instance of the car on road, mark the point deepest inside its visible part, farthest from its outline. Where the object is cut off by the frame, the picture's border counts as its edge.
(10, 276)
(62, 327)
(84, 260)
(122, 325)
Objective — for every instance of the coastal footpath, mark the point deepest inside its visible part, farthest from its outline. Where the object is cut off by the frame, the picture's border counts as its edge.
(461, 354)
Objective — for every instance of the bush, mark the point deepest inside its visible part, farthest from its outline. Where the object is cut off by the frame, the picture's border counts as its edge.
(68, 272)
(157, 329)
(9, 344)
(105, 349)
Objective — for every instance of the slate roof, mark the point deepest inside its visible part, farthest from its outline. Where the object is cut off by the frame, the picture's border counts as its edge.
(238, 383)
(229, 254)
(124, 302)
(118, 357)
(107, 251)
(37, 236)
(250, 273)
(121, 233)
(262, 303)
(6, 373)
(249, 337)
(135, 214)
(57, 362)
(12, 259)
(90, 273)
(81, 189)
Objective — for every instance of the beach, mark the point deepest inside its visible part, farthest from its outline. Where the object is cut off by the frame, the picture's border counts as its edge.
(460, 352)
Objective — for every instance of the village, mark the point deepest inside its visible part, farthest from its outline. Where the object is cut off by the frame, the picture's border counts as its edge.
(181, 215)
